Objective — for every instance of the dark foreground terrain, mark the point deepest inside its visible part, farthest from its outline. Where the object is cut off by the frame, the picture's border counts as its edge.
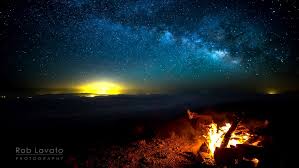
(134, 131)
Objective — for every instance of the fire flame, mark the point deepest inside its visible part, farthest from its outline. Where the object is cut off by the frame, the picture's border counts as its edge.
(216, 135)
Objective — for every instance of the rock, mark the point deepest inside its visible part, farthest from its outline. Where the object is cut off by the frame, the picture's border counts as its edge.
(204, 148)
(142, 142)
(145, 162)
(160, 155)
(189, 155)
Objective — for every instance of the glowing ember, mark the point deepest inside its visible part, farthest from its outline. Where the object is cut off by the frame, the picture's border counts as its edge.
(255, 162)
(216, 135)
(238, 139)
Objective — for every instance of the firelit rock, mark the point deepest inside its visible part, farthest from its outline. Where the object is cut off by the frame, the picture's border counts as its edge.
(204, 148)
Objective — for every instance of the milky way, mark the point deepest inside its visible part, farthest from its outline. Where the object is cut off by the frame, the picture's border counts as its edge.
(148, 43)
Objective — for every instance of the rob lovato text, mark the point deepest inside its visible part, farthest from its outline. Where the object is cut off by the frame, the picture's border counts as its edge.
(37, 153)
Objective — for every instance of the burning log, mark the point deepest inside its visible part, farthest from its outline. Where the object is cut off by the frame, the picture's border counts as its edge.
(224, 144)
(250, 151)
(237, 155)
(228, 134)
(225, 156)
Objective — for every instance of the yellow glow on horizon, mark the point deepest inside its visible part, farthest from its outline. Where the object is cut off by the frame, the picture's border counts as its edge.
(272, 91)
(102, 88)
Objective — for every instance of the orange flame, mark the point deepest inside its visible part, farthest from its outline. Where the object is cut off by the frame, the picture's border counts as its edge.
(216, 135)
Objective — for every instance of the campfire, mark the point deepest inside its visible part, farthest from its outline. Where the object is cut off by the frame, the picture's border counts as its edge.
(209, 139)
(215, 137)
(227, 143)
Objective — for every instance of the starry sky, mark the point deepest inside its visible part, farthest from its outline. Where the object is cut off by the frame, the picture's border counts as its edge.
(150, 45)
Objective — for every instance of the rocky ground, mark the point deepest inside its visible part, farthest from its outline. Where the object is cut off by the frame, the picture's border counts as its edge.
(171, 148)
(179, 148)
(174, 151)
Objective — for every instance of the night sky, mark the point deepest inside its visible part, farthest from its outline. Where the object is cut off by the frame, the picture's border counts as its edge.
(150, 45)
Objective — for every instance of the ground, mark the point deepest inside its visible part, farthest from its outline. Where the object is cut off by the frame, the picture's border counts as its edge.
(134, 131)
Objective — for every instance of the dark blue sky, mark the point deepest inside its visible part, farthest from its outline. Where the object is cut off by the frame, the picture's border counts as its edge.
(150, 44)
